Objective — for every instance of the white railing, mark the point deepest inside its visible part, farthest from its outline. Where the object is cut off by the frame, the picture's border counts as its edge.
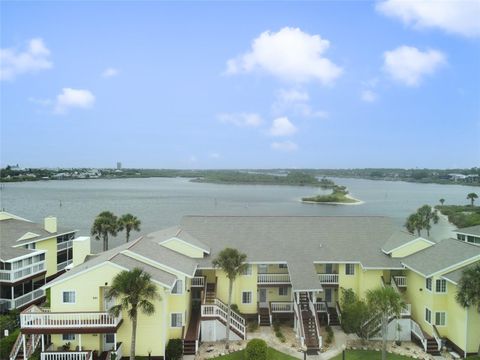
(18, 274)
(328, 278)
(64, 245)
(119, 352)
(68, 320)
(317, 325)
(64, 264)
(406, 310)
(417, 331)
(400, 281)
(66, 355)
(436, 335)
(300, 330)
(16, 347)
(273, 279)
(281, 307)
(198, 281)
(25, 299)
(321, 307)
(339, 312)
(219, 309)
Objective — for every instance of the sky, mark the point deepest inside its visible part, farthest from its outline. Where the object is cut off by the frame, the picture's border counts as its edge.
(240, 84)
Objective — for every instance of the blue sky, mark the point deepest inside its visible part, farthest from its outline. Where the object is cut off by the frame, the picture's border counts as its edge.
(240, 84)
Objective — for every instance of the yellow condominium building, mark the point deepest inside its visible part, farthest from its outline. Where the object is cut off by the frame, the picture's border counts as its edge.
(296, 269)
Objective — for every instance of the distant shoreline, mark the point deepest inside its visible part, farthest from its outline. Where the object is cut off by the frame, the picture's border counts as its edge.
(355, 201)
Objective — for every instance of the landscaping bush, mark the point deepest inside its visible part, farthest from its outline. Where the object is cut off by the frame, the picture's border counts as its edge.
(256, 350)
(174, 349)
(6, 344)
(252, 326)
(330, 335)
(234, 307)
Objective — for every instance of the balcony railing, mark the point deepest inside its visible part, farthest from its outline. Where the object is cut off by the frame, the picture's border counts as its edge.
(328, 278)
(63, 265)
(321, 307)
(24, 299)
(401, 281)
(273, 279)
(72, 320)
(406, 310)
(18, 274)
(281, 307)
(198, 281)
(66, 355)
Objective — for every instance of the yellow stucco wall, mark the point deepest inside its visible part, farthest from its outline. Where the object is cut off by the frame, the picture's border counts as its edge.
(413, 247)
(183, 248)
(50, 245)
(348, 281)
(242, 283)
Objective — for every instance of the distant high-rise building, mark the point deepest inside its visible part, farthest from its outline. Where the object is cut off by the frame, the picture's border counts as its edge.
(119, 165)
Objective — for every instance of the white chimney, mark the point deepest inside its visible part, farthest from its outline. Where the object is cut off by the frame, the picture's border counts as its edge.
(50, 224)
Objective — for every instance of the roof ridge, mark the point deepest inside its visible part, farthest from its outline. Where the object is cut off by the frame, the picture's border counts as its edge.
(127, 248)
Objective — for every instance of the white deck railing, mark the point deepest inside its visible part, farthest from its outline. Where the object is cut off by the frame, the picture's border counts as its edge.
(25, 299)
(273, 279)
(321, 307)
(317, 325)
(198, 281)
(328, 278)
(400, 281)
(119, 352)
(66, 355)
(299, 322)
(281, 307)
(417, 331)
(18, 274)
(219, 309)
(68, 320)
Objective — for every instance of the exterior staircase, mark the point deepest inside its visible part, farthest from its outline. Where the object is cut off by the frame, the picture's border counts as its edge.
(31, 343)
(264, 317)
(432, 347)
(210, 294)
(334, 320)
(309, 324)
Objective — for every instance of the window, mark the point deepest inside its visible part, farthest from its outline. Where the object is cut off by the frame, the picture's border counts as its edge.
(428, 315)
(247, 270)
(349, 269)
(440, 318)
(461, 237)
(178, 288)
(282, 266)
(246, 297)
(68, 337)
(441, 286)
(428, 284)
(68, 297)
(176, 320)
(283, 291)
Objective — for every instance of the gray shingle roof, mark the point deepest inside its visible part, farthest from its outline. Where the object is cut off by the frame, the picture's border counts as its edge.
(471, 230)
(9, 253)
(441, 256)
(456, 275)
(179, 233)
(398, 239)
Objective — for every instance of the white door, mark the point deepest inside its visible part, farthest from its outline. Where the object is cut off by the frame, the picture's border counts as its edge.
(108, 342)
(263, 298)
(328, 268)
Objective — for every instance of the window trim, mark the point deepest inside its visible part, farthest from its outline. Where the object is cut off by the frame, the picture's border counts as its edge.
(74, 296)
(251, 297)
(352, 266)
(445, 318)
(181, 319)
(282, 287)
(283, 266)
(431, 284)
(436, 289)
(425, 316)
(182, 288)
(248, 270)
(68, 334)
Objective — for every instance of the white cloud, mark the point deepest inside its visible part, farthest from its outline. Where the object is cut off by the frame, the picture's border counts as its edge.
(109, 72)
(409, 65)
(34, 58)
(289, 54)
(282, 127)
(368, 96)
(241, 119)
(73, 98)
(452, 16)
(293, 95)
(296, 102)
(215, 155)
(286, 146)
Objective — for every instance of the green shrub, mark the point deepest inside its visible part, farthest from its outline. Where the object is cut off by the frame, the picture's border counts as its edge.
(234, 307)
(252, 326)
(276, 325)
(174, 349)
(6, 344)
(256, 350)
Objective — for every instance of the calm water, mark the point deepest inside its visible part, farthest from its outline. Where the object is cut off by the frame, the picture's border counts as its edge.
(161, 202)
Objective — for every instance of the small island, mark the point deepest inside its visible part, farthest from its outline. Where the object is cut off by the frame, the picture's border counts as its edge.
(339, 196)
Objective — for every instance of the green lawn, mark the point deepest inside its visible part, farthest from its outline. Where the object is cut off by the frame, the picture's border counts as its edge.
(272, 355)
(368, 355)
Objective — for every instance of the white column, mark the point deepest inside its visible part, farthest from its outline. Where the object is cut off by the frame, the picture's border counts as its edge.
(115, 341)
(24, 343)
(43, 342)
(79, 342)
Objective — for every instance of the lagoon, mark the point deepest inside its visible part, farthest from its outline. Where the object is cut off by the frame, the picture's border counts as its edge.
(161, 202)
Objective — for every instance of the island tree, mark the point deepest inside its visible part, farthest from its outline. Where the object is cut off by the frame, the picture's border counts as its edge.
(472, 196)
(105, 224)
(128, 222)
(468, 288)
(134, 291)
(232, 262)
(442, 201)
(427, 216)
(387, 303)
(414, 223)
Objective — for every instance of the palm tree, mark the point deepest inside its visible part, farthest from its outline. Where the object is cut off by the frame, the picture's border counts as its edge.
(386, 302)
(427, 215)
(442, 201)
(105, 224)
(414, 223)
(232, 262)
(134, 291)
(128, 222)
(472, 196)
(468, 288)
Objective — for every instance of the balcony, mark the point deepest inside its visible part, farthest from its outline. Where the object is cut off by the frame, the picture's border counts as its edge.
(328, 279)
(85, 321)
(400, 281)
(66, 355)
(22, 301)
(198, 281)
(281, 307)
(273, 279)
(22, 273)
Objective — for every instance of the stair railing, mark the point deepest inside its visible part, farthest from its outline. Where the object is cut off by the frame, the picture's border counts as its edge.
(339, 311)
(317, 327)
(436, 335)
(417, 331)
(298, 314)
(16, 347)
